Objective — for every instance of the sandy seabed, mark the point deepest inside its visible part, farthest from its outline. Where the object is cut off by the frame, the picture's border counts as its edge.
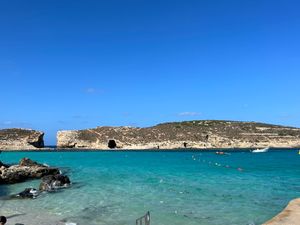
(35, 218)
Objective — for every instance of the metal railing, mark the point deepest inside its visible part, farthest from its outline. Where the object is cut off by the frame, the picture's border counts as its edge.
(144, 220)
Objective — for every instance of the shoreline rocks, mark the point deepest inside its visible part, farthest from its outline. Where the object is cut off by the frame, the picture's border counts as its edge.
(49, 183)
(25, 170)
(53, 182)
(28, 193)
(51, 178)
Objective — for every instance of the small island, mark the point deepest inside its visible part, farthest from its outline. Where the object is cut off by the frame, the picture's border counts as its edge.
(21, 139)
(196, 134)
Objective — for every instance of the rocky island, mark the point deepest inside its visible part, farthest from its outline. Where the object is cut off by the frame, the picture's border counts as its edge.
(21, 139)
(187, 134)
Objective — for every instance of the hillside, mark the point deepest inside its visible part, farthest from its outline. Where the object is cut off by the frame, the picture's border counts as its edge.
(19, 139)
(189, 134)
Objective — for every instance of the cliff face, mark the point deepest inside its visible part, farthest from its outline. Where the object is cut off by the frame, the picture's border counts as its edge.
(18, 139)
(190, 134)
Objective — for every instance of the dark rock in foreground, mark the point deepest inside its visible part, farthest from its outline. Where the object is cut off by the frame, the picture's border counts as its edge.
(53, 182)
(48, 183)
(27, 169)
(28, 193)
(3, 165)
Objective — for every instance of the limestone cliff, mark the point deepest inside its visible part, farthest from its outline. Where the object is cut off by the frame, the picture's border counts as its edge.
(189, 134)
(19, 139)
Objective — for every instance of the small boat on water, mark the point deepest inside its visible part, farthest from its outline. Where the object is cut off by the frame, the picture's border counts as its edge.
(222, 153)
(261, 150)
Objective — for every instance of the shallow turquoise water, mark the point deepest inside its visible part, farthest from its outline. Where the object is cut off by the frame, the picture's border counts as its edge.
(178, 188)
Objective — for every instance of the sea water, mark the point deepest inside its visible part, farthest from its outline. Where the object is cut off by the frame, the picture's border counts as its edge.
(178, 188)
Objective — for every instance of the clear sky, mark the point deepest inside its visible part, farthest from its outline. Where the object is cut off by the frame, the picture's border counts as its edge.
(73, 64)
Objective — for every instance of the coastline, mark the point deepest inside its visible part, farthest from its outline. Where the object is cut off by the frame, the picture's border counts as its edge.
(235, 149)
(290, 215)
(192, 135)
(106, 170)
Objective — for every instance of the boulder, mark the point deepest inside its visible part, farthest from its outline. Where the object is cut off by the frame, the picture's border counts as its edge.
(27, 169)
(28, 193)
(29, 162)
(53, 182)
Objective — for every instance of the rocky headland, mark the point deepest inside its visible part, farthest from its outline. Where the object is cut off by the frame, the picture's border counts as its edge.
(21, 139)
(188, 134)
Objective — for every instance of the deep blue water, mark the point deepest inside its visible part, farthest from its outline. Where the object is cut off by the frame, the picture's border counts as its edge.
(178, 188)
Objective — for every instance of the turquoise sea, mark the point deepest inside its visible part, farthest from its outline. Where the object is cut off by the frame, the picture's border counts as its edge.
(178, 188)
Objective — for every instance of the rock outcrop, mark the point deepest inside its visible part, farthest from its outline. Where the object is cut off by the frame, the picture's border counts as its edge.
(21, 139)
(27, 193)
(289, 216)
(26, 169)
(52, 182)
(189, 134)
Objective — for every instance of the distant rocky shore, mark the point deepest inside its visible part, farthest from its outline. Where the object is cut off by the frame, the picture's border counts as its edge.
(24, 139)
(178, 135)
(200, 134)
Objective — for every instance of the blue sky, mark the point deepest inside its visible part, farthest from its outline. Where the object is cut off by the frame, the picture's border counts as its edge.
(80, 64)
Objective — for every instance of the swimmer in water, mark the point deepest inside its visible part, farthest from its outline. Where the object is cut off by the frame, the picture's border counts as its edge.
(2, 220)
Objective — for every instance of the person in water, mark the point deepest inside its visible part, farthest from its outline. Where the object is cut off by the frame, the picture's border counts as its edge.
(2, 220)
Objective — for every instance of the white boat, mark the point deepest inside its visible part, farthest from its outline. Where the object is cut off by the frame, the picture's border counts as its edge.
(261, 150)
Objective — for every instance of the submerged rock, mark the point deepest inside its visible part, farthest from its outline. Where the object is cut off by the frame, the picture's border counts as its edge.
(27, 169)
(28, 193)
(53, 182)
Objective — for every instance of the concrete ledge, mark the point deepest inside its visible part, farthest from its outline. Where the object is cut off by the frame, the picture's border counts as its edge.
(289, 216)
